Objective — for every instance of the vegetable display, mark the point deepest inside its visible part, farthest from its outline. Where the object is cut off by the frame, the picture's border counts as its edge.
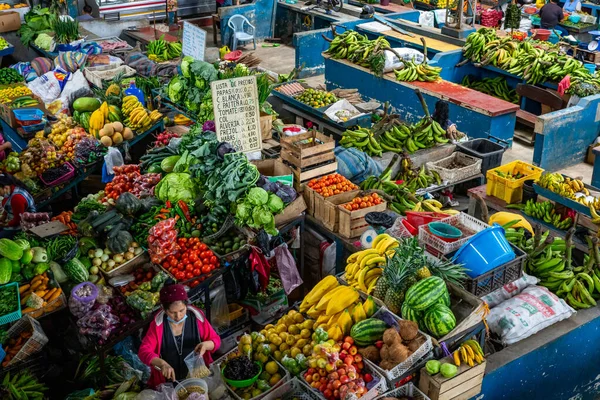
(8, 300)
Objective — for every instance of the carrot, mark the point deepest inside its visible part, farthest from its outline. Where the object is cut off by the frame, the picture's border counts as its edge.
(24, 299)
(36, 279)
(55, 295)
(41, 292)
(49, 294)
(27, 310)
(23, 288)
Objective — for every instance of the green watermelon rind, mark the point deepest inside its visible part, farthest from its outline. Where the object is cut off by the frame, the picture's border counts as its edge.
(368, 331)
(439, 320)
(425, 293)
(76, 271)
(410, 314)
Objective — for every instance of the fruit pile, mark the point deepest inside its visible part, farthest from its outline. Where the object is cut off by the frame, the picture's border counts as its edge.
(10, 93)
(358, 203)
(336, 307)
(163, 138)
(337, 371)
(545, 211)
(231, 241)
(113, 134)
(240, 366)
(316, 98)
(496, 87)
(470, 352)
(160, 50)
(192, 260)
(136, 116)
(39, 156)
(331, 185)
(59, 133)
(417, 72)
(358, 49)
(362, 139)
(9, 75)
(364, 267)
(74, 137)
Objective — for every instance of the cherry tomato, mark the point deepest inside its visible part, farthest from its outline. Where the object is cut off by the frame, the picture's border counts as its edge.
(189, 267)
(193, 258)
(203, 247)
(198, 264)
(213, 260)
(173, 263)
(179, 276)
(189, 275)
(206, 269)
(209, 253)
(206, 261)
(196, 271)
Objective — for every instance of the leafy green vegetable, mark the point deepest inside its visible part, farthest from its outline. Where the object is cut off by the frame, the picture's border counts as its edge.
(257, 196)
(185, 66)
(175, 187)
(275, 203)
(8, 299)
(193, 99)
(204, 73)
(176, 89)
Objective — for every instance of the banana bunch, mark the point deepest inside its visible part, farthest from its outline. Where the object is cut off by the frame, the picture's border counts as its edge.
(417, 72)
(160, 50)
(362, 139)
(423, 135)
(476, 41)
(98, 119)
(470, 352)
(545, 211)
(565, 186)
(155, 116)
(364, 267)
(359, 49)
(136, 116)
(181, 119)
(416, 178)
(496, 87)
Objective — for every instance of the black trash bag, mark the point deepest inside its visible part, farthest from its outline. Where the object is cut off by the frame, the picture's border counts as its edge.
(379, 219)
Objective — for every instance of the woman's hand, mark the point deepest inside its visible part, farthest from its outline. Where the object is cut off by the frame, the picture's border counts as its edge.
(164, 367)
(203, 347)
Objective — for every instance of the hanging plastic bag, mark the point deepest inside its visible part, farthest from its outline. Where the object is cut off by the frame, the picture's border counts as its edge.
(196, 366)
(219, 311)
(46, 87)
(113, 158)
(288, 272)
(215, 384)
(426, 18)
(260, 268)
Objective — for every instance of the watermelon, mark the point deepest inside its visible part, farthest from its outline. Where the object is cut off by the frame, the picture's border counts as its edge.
(410, 314)
(10, 249)
(425, 293)
(76, 271)
(368, 331)
(445, 299)
(439, 320)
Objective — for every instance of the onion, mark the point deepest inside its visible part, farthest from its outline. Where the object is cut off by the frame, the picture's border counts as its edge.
(94, 270)
(104, 266)
(130, 250)
(111, 263)
(104, 257)
(135, 244)
(96, 262)
(118, 258)
(98, 253)
(137, 251)
(128, 256)
(107, 251)
(91, 253)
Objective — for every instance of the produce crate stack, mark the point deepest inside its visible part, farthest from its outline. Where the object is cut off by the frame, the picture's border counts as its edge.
(352, 223)
(310, 155)
(464, 385)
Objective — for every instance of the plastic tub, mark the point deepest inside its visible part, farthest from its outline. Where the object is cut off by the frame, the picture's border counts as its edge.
(540, 34)
(528, 191)
(192, 382)
(590, 67)
(418, 218)
(244, 383)
(489, 152)
(446, 232)
(574, 18)
(485, 251)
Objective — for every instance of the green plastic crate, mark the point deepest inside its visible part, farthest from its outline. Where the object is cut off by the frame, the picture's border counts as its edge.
(15, 315)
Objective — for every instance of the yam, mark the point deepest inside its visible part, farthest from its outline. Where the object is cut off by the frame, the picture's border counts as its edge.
(371, 353)
(106, 141)
(118, 127)
(117, 138)
(127, 134)
(398, 353)
(417, 342)
(408, 330)
(109, 130)
(391, 336)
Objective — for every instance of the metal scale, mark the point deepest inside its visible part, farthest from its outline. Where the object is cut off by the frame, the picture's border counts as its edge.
(460, 24)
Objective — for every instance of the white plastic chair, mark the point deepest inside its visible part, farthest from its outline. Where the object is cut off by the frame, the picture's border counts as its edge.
(236, 23)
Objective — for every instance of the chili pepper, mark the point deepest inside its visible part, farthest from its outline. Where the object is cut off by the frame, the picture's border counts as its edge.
(186, 211)
(168, 203)
(164, 211)
(179, 211)
(160, 216)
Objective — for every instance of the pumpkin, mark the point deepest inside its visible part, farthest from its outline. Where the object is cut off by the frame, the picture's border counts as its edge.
(119, 242)
(128, 204)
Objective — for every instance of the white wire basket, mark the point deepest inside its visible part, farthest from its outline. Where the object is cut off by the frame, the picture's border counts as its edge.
(472, 167)
(467, 224)
(398, 230)
(293, 389)
(411, 362)
(409, 390)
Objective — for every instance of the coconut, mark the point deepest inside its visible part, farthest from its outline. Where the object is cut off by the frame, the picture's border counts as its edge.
(106, 141)
(398, 353)
(371, 353)
(117, 138)
(108, 128)
(127, 134)
(118, 127)
(390, 336)
(384, 352)
(416, 343)
(408, 330)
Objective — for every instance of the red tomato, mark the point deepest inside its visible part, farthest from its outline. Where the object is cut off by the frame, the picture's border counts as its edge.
(198, 264)
(196, 271)
(203, 247)
(179, 276)
(193, 258)
(205, 261)
(166, 265)
(213, 260)
(173, 263)
(206, 269)
(189, 275)
(209, 253)
(189, 267)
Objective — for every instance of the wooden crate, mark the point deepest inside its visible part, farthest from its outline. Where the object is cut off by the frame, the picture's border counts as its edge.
(465, 385)
(352, 223)
(310, 155)
(327, 211)
(589, 56)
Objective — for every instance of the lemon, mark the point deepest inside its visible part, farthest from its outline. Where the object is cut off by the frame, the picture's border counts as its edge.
(301, 343)
(273, 347)
(281, 328)
(269, 326)
(295, 351)
(290, 340)
(293, 329)
(276, 340)
(307, 350)
(305, 333)
(277, 354)
(284, 346)
(247, 348)
(246, 339)
(271, 367)
(283, 336)
(298, 318)
(274, 379)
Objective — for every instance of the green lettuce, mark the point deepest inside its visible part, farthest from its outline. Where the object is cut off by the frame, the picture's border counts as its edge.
(275, 203)
(204, 73)
(175, 187)
(257, 196)
(185, 66)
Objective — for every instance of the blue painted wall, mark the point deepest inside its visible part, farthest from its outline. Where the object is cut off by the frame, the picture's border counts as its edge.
(258, 13)
(405, 101)
(564, 369)
(563, 136)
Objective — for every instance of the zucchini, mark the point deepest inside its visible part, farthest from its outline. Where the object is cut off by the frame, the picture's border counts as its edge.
(103, 218)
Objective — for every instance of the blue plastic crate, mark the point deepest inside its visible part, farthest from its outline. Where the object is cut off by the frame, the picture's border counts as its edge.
(28, 114)
(2, 354)
(15, 315)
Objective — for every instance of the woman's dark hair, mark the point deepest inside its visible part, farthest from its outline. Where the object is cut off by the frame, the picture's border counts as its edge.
(9, 180)
(441, 113)
(87, 9)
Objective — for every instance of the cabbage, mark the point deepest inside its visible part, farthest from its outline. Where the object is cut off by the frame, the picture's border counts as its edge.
(275, 204)
(185, 66)
(176, 89)
(44, 41)
(175, 187)
(243, 213)
(262, 217)
(257, 196)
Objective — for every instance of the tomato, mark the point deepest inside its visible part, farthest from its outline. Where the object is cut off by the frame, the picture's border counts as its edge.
(173, 263)
(189, 275)
(198, 264)
(206, 269)
(196, 271)
(189, 267)
(193, 258)
(166, 265)
(179, 276)
(205, 261)
(363, 205)
(203, 247)
(213, 260)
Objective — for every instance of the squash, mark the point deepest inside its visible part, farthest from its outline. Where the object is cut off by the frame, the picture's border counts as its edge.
(119, 242)
(10, 249)
(5, 271)
(76, 271)
(128, 204)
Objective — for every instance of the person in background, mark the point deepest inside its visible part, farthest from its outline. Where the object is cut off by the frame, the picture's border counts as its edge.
(551, 14)
(441, 114)
(87, 14)
(540, 3)
(572, 6)
(176, 331)
(15, 201)
(5, 148)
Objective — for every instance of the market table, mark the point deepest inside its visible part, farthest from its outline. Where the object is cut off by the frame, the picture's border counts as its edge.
(433, 45)
(497, 204)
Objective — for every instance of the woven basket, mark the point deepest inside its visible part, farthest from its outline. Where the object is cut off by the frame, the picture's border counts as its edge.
(96, 75)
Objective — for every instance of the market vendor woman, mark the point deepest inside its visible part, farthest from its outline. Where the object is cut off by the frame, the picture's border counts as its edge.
(176, 331)
(16, 200)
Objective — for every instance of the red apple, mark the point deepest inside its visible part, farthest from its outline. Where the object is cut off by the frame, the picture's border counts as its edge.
(323, 388)
(348, 360)
(360, 365)
(379, 344)
(328, 393)
(341, 371)
(353, 350)
(346, 345)
(334, 375)
(358, 358)
(368, 378)
(310, 371)
(330, 386)
(336, 394)
(323, 381)
(337, 384)
(349, 339)
(344, 379)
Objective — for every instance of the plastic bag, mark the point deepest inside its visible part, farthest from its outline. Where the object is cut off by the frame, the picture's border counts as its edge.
(75, 83)
(46, 87)
(196, 366)
(99, 322)
(83, 298)
(126, 350)
(104, 294)
(356, 165)
(328, 260)
(113, 158)
(393, 62)
(215, 384)
(426, 18)
(509, 290)
(219, 311)
(286, 265)
(527, 313)
(342, 111)
(164, 391)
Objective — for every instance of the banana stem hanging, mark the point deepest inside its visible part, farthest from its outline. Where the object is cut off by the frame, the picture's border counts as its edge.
(424, 50)
(569, 248)
(423, 103)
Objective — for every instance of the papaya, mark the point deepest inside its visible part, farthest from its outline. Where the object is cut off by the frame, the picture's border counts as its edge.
(86, 104)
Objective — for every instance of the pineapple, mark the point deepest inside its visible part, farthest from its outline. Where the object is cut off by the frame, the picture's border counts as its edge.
(113, 90)
(423, 273)
(381, 287)
(448, 271)
(399, 274)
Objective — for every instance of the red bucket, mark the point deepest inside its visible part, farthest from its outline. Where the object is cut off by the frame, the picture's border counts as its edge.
(418, 218)
(541, 34)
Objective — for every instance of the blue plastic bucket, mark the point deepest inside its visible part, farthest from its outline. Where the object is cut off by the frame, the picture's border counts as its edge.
(485, 251)
(590, 67)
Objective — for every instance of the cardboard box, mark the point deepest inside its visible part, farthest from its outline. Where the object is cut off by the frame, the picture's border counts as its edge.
(590, 156)
(9, 21)
(292, 210)
(275, 168)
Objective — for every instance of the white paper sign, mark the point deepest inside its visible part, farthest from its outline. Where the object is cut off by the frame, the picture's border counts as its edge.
(237, 120)
(193, 41)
